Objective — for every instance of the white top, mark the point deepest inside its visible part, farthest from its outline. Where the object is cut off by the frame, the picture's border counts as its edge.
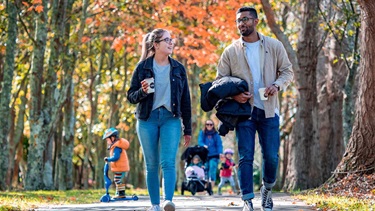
(253, 59)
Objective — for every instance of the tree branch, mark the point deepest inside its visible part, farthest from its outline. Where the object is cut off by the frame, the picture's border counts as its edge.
(275, 28)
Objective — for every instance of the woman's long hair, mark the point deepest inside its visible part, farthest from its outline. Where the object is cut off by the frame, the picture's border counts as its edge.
(148, 48)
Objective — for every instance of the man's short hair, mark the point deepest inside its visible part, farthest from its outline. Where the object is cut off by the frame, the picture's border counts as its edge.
(252, 11)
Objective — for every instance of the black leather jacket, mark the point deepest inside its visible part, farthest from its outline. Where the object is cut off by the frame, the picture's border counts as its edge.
(180, 95)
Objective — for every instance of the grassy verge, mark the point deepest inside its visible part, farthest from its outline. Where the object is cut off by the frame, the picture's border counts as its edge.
(26, 200)
(327, 202)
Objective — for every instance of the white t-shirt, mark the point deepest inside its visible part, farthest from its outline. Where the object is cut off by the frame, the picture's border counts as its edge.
(253, 58)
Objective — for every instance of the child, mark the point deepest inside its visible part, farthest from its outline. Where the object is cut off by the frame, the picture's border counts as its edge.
(118, 159)
(195, 167)
(226, 171)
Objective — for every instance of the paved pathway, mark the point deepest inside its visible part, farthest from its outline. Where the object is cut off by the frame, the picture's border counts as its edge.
(282, 202)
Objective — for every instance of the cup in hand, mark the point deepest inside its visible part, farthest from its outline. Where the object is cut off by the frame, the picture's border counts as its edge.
(151, 85)
(261, 93)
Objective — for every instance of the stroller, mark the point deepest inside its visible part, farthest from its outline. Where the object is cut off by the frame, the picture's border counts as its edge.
(193, 183)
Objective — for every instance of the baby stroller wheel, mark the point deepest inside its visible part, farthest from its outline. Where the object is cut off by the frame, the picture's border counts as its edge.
(209, 189)
(193, 188)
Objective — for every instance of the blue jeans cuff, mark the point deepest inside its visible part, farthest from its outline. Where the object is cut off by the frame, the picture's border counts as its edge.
(268, 186)
(248, 196)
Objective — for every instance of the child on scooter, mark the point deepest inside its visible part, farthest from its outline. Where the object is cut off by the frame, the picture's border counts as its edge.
(118, 159)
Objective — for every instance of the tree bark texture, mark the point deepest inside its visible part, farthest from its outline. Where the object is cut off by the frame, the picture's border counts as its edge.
(330, 97)
(6, 90)
(18, 135)
(38, 130)
(359, 156)
(304, 169)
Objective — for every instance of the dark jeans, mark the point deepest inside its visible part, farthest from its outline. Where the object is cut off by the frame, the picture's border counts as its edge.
(269, 140)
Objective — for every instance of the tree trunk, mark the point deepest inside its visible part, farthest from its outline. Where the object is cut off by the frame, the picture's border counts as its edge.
(38, 132)
(6, 90)
(44, 112)
(18, 135)
(359, 156)
(100, 144)
(304, 169)
(65, 160)
(11, 146)
(330, 98)
(303, 164)
(65, 164)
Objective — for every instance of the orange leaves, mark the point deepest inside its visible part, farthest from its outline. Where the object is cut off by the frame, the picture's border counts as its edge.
(89, 21)
(123, 126)
(39, 8)
(36, 6)
(117, 44)
(85, 39)
(26, 4)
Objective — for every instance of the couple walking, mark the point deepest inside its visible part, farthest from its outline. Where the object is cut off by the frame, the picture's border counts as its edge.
(160, 89)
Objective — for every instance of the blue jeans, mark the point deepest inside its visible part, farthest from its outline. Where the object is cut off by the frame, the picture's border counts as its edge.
(211, 168)
(159, 137)
(269, 140)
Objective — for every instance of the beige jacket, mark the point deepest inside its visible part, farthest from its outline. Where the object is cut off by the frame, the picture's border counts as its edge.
(275, 66)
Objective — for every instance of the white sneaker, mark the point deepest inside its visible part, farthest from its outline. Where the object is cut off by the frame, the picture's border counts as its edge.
(168, 206)
(154, 208)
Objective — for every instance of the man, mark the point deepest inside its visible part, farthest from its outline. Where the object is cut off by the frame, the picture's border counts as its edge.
(263, 63)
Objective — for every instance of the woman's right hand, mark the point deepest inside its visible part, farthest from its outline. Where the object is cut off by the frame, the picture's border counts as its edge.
(187, 139)
(145, 86)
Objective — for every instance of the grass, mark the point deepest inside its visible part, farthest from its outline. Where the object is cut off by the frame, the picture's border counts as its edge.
(26, 200)
(326, 202)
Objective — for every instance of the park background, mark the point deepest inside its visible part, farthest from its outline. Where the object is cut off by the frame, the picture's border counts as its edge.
(65, 67)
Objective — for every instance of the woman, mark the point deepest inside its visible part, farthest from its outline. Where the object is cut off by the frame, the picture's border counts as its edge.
(210, 138)
(161, 105)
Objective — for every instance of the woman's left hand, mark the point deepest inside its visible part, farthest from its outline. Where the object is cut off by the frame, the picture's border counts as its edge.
(187, 139)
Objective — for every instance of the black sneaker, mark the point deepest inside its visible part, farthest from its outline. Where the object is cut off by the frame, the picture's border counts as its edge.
(266, 195)
(248, 206)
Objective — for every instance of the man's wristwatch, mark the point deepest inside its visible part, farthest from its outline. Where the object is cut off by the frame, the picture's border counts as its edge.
(275, 85)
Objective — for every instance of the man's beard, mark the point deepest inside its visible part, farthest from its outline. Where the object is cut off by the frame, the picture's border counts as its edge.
(247, 32)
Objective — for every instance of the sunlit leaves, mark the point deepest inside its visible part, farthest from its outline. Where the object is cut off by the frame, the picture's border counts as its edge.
(2, 6)
(39, 8)
(85, 39)
(36, 6)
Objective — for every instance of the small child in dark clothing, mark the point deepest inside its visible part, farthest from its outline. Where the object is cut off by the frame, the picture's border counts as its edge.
(226, 171)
